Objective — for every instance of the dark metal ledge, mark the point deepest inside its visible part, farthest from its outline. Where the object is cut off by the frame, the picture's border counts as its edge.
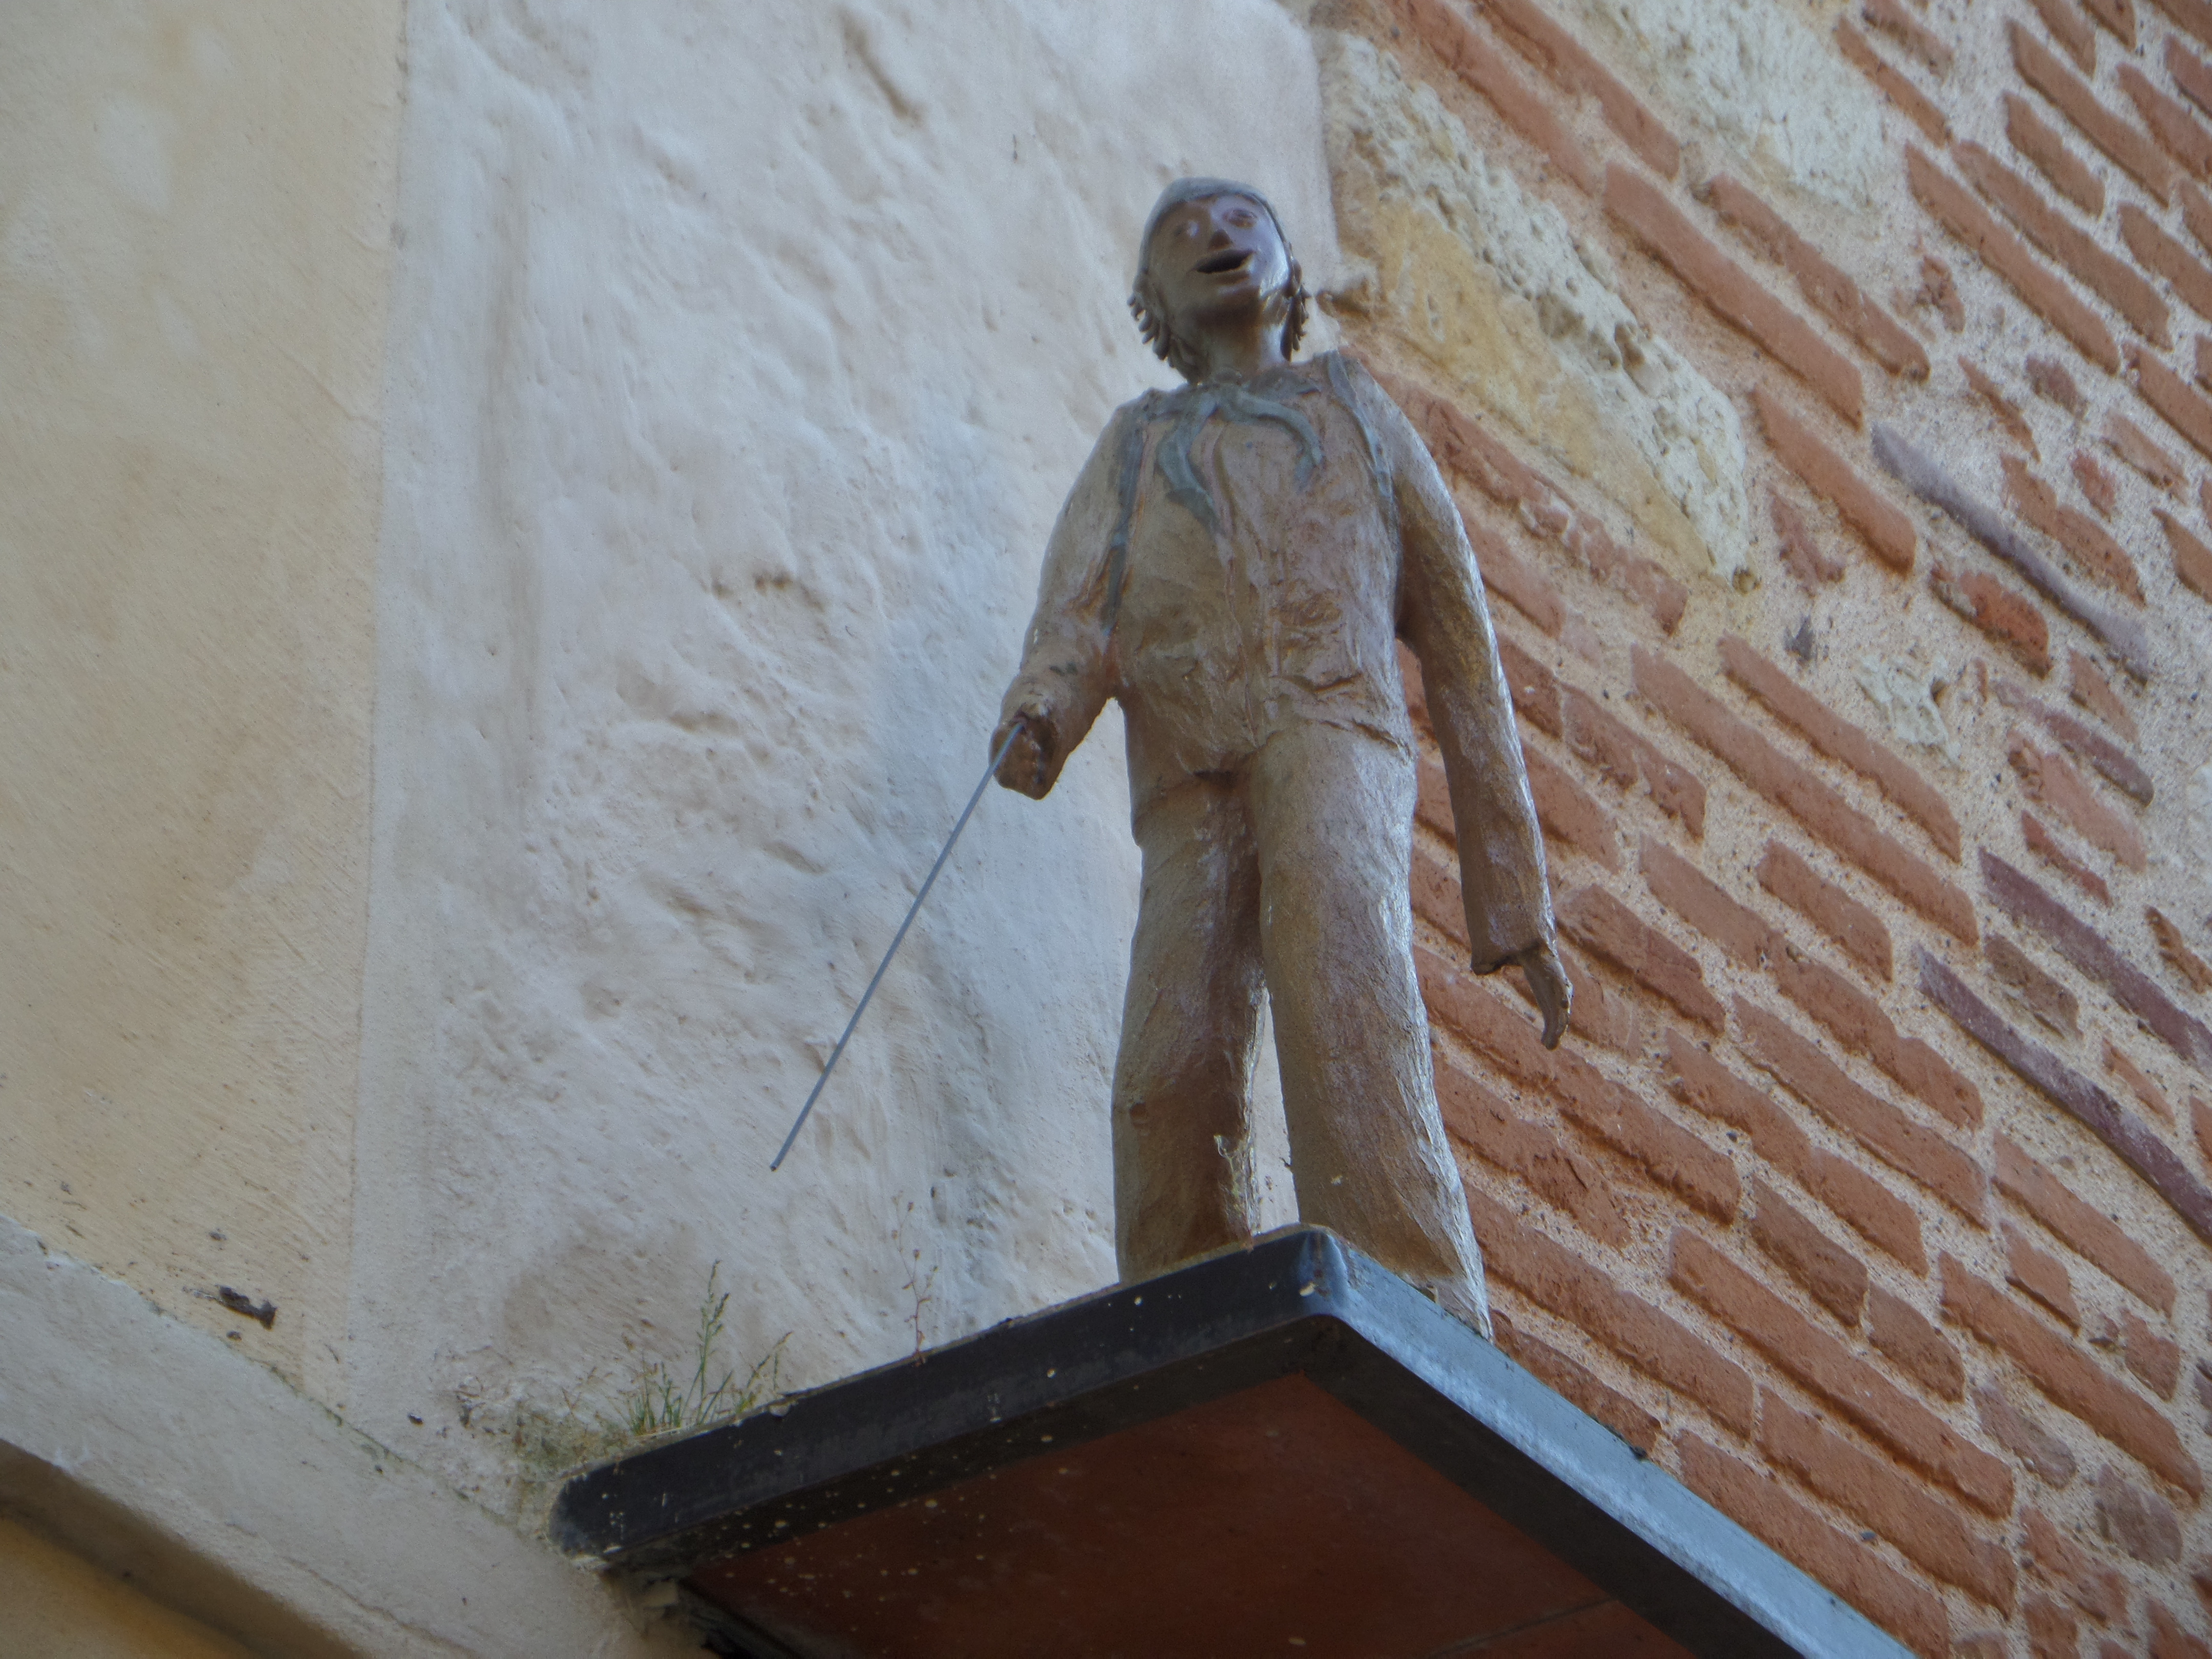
(1284, 1449)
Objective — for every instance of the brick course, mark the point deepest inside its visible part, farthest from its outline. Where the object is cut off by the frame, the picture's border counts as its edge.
(2071, 30)
(1469, 55)
(1463, 446)
(2097, 486)
(2110, 278)
(2155, 1359)
(2192, 559)
(2047, 847)
(1928, 478)
(1918, 108)
(2009, 257)
(1897, 1329)
(2179, 134)
(2133, 445)
(2009, 619)
(2070, 1377)
(1622, 757)
(1831, 735)
(2065, 1565)
(2137, 1146)
(1825, 287)
(2040, 1278)
(1859, 1026)
(2072, 97)
(1828, 1272)
(2181, 409)
(1575, 1380)
(1657, 1344)
(1884, 527)
(2090, 547)
(1563, 1177)
(2048, 779)
(1566, 810)
(2088, 687)
(2088, 951)
(1682, 888)
(2032, 991)
(1921, 1525)
(2160, 252)
(2006, 411)
(1667, 1154)
(1731, 294)
(1893, 18)
(1507, 574)
(1798, 793)
(2175, 948)
(1908, 1611)
(1820, 1364)
(2112, 763)
(1801, 552)
(2088, 1231)
(2043, 1452)
(2117, 16)
(2190, 72)
(1862, 1203)
(1610, 931)
(2170, 1639)
(2050, 380)
(1912, 1149)
(1855, 930)
(1562, 57)
(2036, 139)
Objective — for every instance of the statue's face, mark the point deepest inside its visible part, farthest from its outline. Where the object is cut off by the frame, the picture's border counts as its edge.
(1217, 261)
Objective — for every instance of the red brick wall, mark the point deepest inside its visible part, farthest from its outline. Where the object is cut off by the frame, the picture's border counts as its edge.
(1870, 1194)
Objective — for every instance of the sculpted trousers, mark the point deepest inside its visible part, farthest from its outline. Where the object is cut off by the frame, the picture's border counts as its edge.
(1292, 873)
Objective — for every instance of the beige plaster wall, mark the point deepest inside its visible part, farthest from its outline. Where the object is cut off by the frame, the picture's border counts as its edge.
(60, 1607)
(195, 214)
(741, 358)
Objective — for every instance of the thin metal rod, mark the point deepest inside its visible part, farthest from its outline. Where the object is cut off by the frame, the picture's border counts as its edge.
(897, 939)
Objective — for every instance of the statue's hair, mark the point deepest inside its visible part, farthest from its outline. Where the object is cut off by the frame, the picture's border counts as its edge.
(1151, 311)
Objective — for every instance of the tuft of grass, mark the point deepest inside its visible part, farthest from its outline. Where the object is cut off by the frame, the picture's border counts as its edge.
(661, 1399)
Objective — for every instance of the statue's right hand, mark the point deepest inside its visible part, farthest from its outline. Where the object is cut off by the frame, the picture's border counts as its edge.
(1548, 984)
(1024, 769)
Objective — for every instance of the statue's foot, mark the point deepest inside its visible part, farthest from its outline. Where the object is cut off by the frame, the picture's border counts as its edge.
(1463, 1302)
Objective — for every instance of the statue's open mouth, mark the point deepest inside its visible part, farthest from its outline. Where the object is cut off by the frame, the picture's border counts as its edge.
(1220, 264)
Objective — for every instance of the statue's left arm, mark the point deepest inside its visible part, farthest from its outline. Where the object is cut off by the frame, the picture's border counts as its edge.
(1442, 615)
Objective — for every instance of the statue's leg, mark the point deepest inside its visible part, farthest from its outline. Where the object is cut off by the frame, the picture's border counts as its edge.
(1182, 1152)
(1333, 813)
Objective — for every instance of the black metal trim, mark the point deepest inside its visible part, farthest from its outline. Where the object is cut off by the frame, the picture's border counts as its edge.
(1299, 1301)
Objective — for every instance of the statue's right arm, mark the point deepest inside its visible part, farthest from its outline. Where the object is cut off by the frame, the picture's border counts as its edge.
(1064, 678)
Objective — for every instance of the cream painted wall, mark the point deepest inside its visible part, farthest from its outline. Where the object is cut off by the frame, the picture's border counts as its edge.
(741, 357)
(195, 213)
(58, 1607)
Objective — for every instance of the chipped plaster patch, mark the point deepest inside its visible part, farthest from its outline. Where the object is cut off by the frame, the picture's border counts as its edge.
(1906, 695)
(1762, 82)
(1494, 287)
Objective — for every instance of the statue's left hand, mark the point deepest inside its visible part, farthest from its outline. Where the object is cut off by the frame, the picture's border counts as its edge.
(1547, 980)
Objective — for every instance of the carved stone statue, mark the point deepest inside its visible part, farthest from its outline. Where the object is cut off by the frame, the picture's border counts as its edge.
(1234, 566)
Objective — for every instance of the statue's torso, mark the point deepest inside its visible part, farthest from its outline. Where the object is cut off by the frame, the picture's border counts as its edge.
(1283, 607)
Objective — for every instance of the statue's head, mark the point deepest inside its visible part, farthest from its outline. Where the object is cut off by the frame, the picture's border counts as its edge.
(1214, 255)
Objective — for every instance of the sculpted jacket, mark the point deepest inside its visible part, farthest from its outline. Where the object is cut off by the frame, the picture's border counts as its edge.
(1238, 559)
